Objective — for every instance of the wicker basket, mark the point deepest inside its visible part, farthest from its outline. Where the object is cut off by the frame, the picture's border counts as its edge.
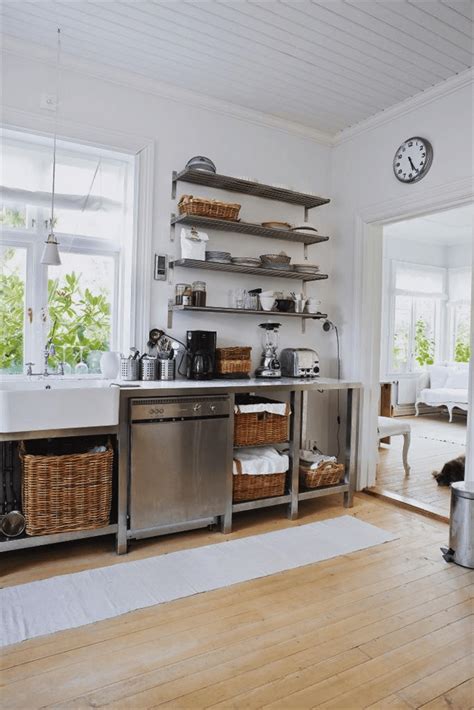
(68, 492)
(260, 427)
(248, 487)
(327, 474)
(208, 208)
(233, 361)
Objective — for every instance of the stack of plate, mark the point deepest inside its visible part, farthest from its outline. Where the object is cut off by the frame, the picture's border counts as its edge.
(246, 261)
(219, 257)
(306, 268)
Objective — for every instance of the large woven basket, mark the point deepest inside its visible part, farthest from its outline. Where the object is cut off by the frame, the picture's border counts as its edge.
(260, 427)
(203, 207)
(233, 361)
(248, 487)
(327, 474)
(67, 492)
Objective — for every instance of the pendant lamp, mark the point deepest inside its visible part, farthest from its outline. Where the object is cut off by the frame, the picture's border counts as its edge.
(51, 256)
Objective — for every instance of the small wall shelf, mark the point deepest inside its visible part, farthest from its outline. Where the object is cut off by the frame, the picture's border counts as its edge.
(247, 187)
(225, 225)
(253, 270)
(172, 308)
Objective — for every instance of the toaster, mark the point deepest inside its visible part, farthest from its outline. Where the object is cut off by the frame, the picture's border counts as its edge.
(299, 362)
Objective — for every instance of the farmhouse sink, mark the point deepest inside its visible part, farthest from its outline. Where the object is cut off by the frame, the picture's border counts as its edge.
(54, 403)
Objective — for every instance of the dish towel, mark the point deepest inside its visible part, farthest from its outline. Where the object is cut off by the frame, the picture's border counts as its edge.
(259, 461)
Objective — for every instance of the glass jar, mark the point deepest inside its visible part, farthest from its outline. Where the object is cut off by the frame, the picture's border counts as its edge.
(187, 296)
(199, 293)
(179, 292)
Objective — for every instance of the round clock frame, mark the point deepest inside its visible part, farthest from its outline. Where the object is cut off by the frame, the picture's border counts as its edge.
(413, 146)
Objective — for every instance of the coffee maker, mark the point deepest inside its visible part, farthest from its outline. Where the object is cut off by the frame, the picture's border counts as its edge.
(201, 354)
(270, 365)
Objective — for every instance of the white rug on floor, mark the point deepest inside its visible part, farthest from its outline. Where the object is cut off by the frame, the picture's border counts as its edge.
(72, 600)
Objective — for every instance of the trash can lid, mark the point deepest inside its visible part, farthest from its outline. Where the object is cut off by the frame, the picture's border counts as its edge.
(463, 489)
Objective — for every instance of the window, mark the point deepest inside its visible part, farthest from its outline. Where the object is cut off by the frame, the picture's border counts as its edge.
(459, 314)
(417, 295)
(77, 303)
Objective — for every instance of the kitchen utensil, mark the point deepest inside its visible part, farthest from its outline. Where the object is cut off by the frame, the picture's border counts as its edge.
(299, 305)
(269, 365)
(306, 268)
(129, 369)
(148, 368)
(304, 228)
(166, 369)
(13, 523)
(299, 362)
(267, 302)
(246, 261)
(201, 354)
(279, 261)
(312, 305)
(285, 305)
(200, 162)
(276, 225)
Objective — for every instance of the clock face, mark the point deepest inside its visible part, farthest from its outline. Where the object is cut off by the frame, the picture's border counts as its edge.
(413, 159)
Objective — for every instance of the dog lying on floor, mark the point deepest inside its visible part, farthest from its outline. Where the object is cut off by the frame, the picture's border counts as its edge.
(451, 472)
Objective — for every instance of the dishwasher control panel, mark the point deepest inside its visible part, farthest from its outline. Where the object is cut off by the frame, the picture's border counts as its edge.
(146, 409)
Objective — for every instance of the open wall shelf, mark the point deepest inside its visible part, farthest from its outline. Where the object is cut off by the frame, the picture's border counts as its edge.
(253, 270)
(225, 225)
(172, 308)
(247, 187)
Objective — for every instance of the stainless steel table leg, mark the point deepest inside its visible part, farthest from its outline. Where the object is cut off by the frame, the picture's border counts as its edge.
(295, 442)
(123, 469)
(226, 519)
(351, 445)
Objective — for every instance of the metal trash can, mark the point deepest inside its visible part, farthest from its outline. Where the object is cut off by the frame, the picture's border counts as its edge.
(461, 530)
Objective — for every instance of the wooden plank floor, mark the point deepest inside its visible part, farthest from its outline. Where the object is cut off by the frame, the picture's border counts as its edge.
(387, 627)
(433, 442)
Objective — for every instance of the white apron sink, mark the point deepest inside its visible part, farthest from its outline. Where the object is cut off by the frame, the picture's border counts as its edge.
(50, 403)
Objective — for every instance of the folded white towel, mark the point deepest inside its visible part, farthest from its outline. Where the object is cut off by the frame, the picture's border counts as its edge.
(270, 407)
(261, 460)
(315, 458)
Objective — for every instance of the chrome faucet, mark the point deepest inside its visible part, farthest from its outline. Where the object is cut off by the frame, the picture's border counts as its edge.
(49, 351)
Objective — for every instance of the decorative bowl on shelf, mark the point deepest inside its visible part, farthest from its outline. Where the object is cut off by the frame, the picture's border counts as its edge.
(275, 261)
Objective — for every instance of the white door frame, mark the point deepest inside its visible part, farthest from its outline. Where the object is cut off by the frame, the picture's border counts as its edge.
(368, 308)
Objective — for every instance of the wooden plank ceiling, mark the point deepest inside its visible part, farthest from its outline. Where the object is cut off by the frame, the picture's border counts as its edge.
(326, 64)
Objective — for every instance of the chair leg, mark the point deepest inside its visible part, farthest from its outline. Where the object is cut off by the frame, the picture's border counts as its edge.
(406, 446)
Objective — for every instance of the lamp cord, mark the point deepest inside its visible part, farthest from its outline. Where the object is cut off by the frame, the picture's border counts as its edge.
(58, 83)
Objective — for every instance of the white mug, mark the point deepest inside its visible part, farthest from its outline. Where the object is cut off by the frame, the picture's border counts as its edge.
(110, 365)
(313, 305)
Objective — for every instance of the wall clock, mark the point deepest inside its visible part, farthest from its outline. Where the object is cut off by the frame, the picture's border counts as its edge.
(413, 159)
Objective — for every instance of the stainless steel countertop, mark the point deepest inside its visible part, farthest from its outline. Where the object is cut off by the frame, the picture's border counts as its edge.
(182, 386)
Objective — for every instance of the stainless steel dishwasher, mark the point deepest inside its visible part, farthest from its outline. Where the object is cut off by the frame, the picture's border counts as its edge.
(181, 459)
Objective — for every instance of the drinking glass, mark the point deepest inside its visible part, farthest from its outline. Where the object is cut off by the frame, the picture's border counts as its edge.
(240, 295)
(81, 367)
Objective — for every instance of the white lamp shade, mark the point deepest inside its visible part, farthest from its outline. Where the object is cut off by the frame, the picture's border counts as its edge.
(51, 255)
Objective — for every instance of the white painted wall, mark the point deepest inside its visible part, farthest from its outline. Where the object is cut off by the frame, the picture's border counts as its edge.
(364, 190)
(362, 178)
(178, 131)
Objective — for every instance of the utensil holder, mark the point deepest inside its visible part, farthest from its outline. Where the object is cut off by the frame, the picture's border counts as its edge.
(149, 369)
(167, 369)
(129, 369)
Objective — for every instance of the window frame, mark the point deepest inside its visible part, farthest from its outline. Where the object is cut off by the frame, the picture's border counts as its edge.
(123, 252)
(440, 316)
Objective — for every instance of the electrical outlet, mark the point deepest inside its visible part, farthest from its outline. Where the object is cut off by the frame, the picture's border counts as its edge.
(48, 102)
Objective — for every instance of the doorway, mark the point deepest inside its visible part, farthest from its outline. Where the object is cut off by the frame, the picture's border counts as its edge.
(425, 351)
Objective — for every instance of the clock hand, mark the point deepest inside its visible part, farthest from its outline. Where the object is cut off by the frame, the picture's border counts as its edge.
(411, 163)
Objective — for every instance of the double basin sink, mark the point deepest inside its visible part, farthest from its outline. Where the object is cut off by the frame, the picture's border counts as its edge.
(31, 404)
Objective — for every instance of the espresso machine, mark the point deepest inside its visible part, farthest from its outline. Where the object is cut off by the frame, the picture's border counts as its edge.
(201, 354)
(270, 364)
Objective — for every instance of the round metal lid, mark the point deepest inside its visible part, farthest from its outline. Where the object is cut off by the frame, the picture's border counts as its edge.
(463, 489)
